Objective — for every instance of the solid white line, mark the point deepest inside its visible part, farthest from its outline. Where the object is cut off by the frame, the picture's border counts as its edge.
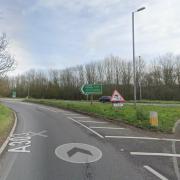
(99, 135)
(105, 128)
(155, 173)
(95, 122)
(144, 138)
(10, 134)
(154, 154)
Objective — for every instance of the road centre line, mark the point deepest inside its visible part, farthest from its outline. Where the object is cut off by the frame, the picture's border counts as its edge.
(105, 128)
(155, 173)
(154, 154)
(142, 138)
(95, 122)
(99, 135)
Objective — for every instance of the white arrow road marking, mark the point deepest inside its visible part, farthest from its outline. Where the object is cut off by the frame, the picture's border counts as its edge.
(155, 173)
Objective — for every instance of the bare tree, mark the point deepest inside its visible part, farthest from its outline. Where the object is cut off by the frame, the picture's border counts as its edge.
(7, 62)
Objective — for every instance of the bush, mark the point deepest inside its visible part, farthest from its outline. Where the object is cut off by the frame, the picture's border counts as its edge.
(141, 114)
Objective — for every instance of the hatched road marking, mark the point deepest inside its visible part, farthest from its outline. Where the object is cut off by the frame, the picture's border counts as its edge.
(143, 138)
(99, 135)
(154, 154)
(95, 122)
(155, 173)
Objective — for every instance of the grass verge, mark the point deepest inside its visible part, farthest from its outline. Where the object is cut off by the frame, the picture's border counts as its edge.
(128, 114)
(6, 122)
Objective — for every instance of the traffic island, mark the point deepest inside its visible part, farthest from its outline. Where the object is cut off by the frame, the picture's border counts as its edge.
(138, 117)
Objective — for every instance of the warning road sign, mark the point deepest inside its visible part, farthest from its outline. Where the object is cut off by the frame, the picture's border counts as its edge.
(117, 97)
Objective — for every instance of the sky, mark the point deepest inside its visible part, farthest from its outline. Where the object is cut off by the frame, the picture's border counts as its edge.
(56, 34)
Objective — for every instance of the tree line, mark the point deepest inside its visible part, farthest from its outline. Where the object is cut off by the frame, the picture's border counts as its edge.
(159, 79)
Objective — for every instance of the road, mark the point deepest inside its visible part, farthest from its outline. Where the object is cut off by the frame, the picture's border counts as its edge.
(54, 144)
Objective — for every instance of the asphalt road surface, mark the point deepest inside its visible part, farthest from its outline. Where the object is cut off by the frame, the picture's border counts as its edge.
(54, 144)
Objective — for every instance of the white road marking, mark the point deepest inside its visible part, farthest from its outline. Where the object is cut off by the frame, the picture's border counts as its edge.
(81, 117)
(155, 173)
(41, 133)
(95, 122)
(143, 138)
(48, 109)
(154, 154)
(175, 163)
(99, 135)
(20, 149)
(106, 128)
(20, 143)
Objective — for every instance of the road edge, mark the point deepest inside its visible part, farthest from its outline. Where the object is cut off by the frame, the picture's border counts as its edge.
(4, 145)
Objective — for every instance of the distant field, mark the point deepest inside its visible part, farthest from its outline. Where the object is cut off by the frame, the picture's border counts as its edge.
(128, 114)
(6, 122)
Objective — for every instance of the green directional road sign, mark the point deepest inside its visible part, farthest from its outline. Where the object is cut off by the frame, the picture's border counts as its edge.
(13, 94)
(88, 89)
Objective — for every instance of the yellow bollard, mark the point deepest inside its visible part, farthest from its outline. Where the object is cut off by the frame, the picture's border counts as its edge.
(154, 119)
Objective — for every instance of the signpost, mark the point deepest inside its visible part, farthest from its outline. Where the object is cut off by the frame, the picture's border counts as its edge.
(88, 89)
(91, 89)
(117, 99)
(13, 94)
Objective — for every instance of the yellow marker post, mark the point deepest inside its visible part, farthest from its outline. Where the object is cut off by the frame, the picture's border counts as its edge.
(154, 119)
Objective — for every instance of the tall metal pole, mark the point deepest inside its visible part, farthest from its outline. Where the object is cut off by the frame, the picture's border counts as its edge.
(28, 92)
(140, 87)
(134, 60)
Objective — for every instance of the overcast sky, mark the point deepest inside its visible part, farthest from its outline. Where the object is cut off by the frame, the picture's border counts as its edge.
(61, 33)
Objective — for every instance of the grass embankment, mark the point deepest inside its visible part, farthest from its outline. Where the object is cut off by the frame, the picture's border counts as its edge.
(128, 114)
(6, 122)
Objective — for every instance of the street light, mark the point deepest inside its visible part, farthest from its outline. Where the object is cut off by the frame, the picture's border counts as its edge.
(134, 58)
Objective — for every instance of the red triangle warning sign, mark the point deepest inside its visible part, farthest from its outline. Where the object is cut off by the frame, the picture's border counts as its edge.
(116, 97)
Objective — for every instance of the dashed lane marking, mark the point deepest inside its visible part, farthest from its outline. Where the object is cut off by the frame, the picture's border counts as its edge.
(99, 135)
(157, 174)
(154, 154)
(113, 128)
(142, 138)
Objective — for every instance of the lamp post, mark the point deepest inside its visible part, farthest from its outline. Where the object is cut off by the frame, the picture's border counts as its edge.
(134, 57)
